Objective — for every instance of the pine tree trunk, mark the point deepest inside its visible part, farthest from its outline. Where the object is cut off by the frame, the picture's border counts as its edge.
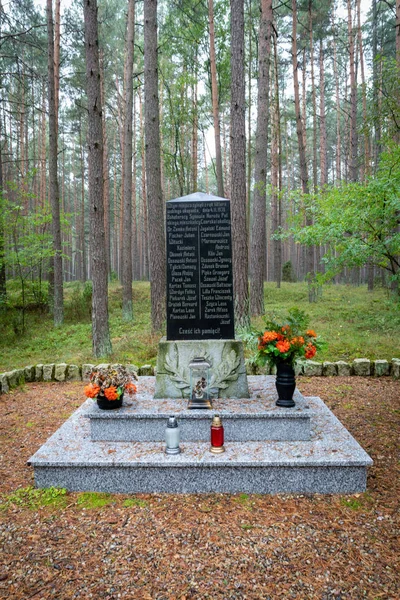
(43, 194)
(375, 81)
(258, 230)
(100, 327)
(299, 121)
(338, 129)
(120, 213)
(322, 117)
(58, 309)
(106, 169)
(115, 202)
(276, 169)
(353, 158)
(195, 136)
(153, 168)
(3, 288)
(127, 305)
(135, 228)
(367, 154)
(314, 98)
(238, 167)
(300, 129)
(215, 101)
(144, 220)
(82, 231)
(205, 164)
(249, 109)
(57, 39)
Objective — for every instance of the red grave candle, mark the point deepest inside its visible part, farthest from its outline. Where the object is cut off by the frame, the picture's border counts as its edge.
(217, 436)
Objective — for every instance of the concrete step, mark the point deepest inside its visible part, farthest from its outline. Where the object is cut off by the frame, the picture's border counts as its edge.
(143, 418)
(330, 462)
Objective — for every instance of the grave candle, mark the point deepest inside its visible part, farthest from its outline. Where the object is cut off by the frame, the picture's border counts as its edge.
(172, 436)
(217, 436)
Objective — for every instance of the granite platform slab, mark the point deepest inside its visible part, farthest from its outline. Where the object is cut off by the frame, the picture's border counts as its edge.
(143, 418)
(330, 462)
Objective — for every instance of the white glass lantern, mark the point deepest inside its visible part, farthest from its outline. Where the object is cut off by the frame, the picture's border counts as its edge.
(200, 396)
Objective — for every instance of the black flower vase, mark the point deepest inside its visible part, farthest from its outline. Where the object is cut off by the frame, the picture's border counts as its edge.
(285, 384)
(105, 404)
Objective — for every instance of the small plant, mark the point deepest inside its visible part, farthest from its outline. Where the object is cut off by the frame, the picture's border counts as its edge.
(110, 382)
(134, 502)
(94, 500)
(79, 307)
(288, 273)
(352, 503)
(284, 342)
(34, 498)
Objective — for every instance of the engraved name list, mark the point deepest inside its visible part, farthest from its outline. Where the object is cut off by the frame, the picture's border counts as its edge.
(199, 270)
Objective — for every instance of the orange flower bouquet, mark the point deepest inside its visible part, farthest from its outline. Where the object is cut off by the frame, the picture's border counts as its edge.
(285, 342)
(107, 384)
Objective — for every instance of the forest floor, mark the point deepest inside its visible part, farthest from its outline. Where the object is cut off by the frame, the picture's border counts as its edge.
(214, 546)
(354, 323)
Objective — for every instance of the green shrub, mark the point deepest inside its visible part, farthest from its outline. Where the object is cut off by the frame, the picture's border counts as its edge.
(79, 305)
(288, 273)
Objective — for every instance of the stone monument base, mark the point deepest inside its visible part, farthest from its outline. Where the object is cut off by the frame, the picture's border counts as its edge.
(269, 450)
(228, 372)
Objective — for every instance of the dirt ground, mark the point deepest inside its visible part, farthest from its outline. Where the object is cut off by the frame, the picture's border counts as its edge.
(214, 546)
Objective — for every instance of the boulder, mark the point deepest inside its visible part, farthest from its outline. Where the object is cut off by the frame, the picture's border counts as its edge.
(4, 387)
(29, 373)
(312, 369)
(48, 372)
(299, 367)
(39, 373)
(362, 367)
(15, 378)
(343, 368)
(74, 373)
(60, 372)
(329, 369)
(396, 368)
(86, 370)
(381, 367)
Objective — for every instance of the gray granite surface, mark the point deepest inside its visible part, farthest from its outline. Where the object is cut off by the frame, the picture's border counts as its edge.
(331, 462)
(143, 418)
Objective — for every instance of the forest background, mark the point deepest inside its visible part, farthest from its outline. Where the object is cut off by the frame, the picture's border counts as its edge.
(291, 109)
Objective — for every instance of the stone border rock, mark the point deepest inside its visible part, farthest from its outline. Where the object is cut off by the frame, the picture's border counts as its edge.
(362, 367)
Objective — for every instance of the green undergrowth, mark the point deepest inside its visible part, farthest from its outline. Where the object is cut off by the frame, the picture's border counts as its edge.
(33, 498)
(358, 502)
(354, 323)
(129, 502)
(89, 500)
